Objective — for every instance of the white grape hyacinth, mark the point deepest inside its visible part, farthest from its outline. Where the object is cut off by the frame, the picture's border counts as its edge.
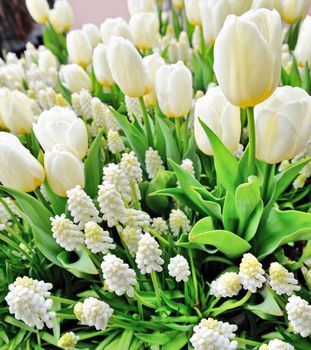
(67, 234)
(159, 225)
(81, 207)
(68, 341)
(187, 165)
(131, 236)
(179, 222)
(227, 285)
(276, 344)
(214, 335)
(137, 219)
(133, 108)
(82, 103)
(148, 257)
(118, 276)
(131, 167)
(251, 273)
(153, 163)
(179, 269)
(281, 280)
(96, 239)
(98, 113)
(115, 142)
(93, 313)
(299, 315)
(29, 301)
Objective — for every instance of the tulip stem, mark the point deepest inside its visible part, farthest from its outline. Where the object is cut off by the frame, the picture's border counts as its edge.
(146, 121)
(40, 197)
(252, 140)
(178, 125)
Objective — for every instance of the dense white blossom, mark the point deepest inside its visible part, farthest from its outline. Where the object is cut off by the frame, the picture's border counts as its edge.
(131, 236)
(133, 108)
(115, 142)
(299, 315)
(82, 103)
(179, 222)
(276, 344)
(159, 225)
(281, 280)
(96, 239)
(68, 341)
(153, 163)
(179, 268)
(46, 98)
(187, 165)
(227, 285)
(251, 274)
(137, 219)
(131, 167)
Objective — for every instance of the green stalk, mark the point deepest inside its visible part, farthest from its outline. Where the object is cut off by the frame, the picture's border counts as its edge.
(40, 197)
(194, 278)
(178, 136)
(62, 300)
(219, 310)
(252, 140)
(159, 237)
(156, 287)
(202, 41)
(134, 194)
(269, 171)
(146, 121)
(247, 342)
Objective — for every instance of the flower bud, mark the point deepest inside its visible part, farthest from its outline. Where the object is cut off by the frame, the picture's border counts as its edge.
(239, 7)
(114, 27)
(75, 78)
(139, 6)
(147, 38)
(61, 16)
(19, 168)
(193, 11)
(178, 4)
(47, 61)
(221, 117)
(101, 67)
(92, 32)
(174, 89)
(64, 170)
(293, 11)
(79, 48)
(39, 10)
(268, 4)
(61, 126)
(303, 47)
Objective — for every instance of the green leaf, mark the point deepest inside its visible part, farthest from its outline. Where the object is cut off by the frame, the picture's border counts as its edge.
(93, 167)
(157, 338)
(58, 203)
(226, 165)
(284, 77)
(184, 243)
(178, 342)
(160, 140)
(294, 75)
(306, 81)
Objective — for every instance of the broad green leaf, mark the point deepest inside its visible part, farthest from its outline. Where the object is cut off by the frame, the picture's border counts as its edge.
(184, 243)
(294, 75)
(126, 339)
(285, 77)
(230, 217)
(247, 196)
(253, 222)
(203, 225)
(157, 338)
(58, 203)
(178, 342)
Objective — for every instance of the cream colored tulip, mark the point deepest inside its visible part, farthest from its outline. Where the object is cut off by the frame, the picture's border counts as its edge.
(64, 170)
(92, 32)
(152, 63)
(19, 168)
(146, 38)
(174, 89)
(238, 7)
(221, 117)
(115, 27)
(192, 8)
(268, 4)
(75, 78)
(61, 126)
(39, 10)
(2, 97)
(127, 67)
(14, 73)
(247, 55)
(79, 48)
(139, 6)
(293, 11)
(101, 67)
(61, 16)
(17, 112)
(178, 4)
(47, 61)
(303, 47)
(283, 124)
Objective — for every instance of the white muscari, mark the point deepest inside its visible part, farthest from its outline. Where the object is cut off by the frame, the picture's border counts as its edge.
(187, 165)
(118, 276)
(179, 222)
(137, 219)
(251, 273)
(179, 269)
(110, 120)
(29, 301)
(81, 207)
(133, 108)
(115, 142)
(159, 225)
(148, 257)
(227, 285)
(68, 341)
(281, 280)
(299, 315)
(93, 313)
(96, 239)
(276, 344)
(46, 98)
(82, 103)
(131, 236)
(153, 162)
(131, 167)
(66, 233)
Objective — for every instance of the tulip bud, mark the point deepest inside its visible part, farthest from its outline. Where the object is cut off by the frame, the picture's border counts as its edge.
(247, 55)
(240, 6)
(61, 126)
(15, 74)
(293, 11)
(221, 117)
(61, 16)
(303, 47)
(193, 12)
(64, 170)
(47, 61)
(101, 67)
(174, 89)
(114, 27)
(75, 78)
(92, 32)
(17, 112)
(127, 67)
(178, 4)
(152, 63)
(147, 38)
(283, 124)
(19, 168)
(139, 6)
(268, 4)
(2, 97)
(79, 48)
(39, 10)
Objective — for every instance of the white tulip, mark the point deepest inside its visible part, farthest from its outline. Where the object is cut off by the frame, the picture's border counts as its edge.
(238, 7)
(101, 67)
(39, 10)
(61, 16)
(127, 67)
(146, 38)
(174, 89)
(114, 27)
(152, 63)
(283, 124)
(92, 32)
(47, 61)
(61, 126)
(247, 55)
(2, 97)
(193, 13)
(221, 117)
(268, 4)
(64, 170)
(79, 48)
(75, 78)
(293, 11)
(17, 114)
(303, 47)
(14, 73)
(19, 168)
(139, 6)
(178, 4)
